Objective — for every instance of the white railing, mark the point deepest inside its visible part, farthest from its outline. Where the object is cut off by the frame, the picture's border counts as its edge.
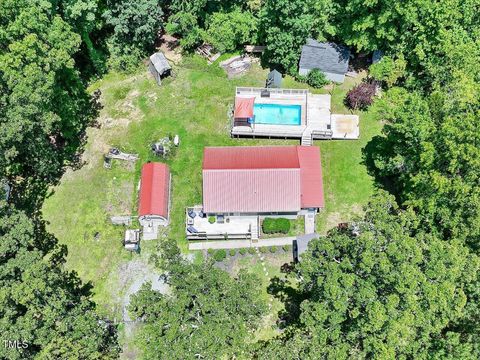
(258, 90)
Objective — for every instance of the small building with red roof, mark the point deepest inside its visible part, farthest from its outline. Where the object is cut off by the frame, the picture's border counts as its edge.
(259, 181)
(154, 198)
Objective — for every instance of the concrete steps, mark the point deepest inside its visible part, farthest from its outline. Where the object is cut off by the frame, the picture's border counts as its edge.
(254, 231)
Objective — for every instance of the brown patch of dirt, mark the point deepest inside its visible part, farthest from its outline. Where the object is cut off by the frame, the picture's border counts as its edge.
(170, 46)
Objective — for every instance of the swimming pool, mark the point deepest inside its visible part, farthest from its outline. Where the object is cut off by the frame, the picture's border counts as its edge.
(275, 114)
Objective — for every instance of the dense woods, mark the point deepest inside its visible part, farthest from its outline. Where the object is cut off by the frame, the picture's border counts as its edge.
(406, 285)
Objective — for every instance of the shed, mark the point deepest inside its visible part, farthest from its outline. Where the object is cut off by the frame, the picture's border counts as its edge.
(330, 58)
(300, 245)
(274, 79)
(154, 204)
(159, 66)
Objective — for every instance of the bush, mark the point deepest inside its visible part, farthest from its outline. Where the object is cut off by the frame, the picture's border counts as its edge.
(388, 70)
(287, 248)
(361, 96)
(316, 79)
(211, 219)
(273, 249)
(220, 255)
(272, 226)
(263, 249)
(251, 251)
(242, 251)
(232, 252)
(210, 251)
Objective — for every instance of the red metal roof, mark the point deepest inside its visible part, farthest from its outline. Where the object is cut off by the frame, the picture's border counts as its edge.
(243, 107)
(250, 157)
(251, 190)
(262, 179)
(311, 174)
(154, 190)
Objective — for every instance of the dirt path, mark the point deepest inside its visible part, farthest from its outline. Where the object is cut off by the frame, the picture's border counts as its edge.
(132, 275)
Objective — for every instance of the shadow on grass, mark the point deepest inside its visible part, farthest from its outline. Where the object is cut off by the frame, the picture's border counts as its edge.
(291, 297)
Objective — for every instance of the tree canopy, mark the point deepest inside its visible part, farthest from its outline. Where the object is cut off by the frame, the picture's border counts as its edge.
(385, 290)
(205, 314)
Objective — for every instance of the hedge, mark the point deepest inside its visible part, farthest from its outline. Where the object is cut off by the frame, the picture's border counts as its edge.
(220, 255)
(272, 226)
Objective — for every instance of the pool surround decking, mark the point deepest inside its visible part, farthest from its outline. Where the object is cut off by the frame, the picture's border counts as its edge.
(317, 121)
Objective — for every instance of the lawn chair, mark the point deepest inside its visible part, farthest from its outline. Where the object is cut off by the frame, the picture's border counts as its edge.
(192, 230)
(192, 213)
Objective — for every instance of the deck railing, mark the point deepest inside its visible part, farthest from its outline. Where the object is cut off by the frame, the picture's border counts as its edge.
(259, 90)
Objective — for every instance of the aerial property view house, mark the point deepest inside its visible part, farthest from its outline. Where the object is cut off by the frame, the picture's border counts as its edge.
(154, 198)
(330, 58)
(289, 113)
(243, 185)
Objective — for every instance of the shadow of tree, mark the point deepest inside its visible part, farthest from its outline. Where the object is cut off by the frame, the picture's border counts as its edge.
(291, 297)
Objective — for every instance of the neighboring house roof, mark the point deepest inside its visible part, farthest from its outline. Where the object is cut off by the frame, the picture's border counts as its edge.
(261, 179)
(302, 243)
(154, 190)
(244, 107)
(160, 62)
(327, 57)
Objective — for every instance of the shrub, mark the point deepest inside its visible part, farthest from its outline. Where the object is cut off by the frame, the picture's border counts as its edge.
(232, 252)
(287, 248)
(273, 249)
(263, 249)
(272, 226)
(210, 251)
(211, 219)
(251, 251)
(220, 255)
(388, 70)
(316, 79)
(242, 251)
(361, 96)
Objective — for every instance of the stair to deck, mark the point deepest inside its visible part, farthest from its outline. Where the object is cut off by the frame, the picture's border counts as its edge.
(307, 137)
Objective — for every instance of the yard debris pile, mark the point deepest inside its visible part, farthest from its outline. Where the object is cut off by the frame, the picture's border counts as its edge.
(237, 65)
(208, 52)
(115, 153)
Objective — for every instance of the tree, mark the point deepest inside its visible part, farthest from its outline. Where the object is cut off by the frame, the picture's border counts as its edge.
(206, 313)
(226, 31)
(285, 26)
(44, 107)
(386, 290)
(361, 96)
(136, 25)
(40, 303)
(388, 70)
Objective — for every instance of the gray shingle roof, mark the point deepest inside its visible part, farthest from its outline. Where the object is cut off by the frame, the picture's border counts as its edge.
(328, 57)
(160, 62)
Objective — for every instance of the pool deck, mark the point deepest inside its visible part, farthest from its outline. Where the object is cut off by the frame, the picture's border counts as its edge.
(317, 121)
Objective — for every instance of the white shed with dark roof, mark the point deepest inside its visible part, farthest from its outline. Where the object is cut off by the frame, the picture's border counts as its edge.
(330, 58)
(159, 66)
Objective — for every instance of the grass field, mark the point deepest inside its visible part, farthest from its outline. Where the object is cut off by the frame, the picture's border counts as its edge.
(193, 104)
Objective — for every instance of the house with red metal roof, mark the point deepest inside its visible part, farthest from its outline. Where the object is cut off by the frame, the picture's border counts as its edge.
(154, 198)
(246, 184)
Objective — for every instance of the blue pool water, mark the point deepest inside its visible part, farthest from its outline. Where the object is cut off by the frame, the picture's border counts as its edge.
(275, 114)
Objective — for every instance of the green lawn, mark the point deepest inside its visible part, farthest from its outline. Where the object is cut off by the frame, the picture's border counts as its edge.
(193, 104)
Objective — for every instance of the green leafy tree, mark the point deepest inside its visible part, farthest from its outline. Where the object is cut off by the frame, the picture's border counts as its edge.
(388, 70)
(40, 303)
(136, 25)
(384, 290)
(227, 31)
(206, 313)
(44, 107)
